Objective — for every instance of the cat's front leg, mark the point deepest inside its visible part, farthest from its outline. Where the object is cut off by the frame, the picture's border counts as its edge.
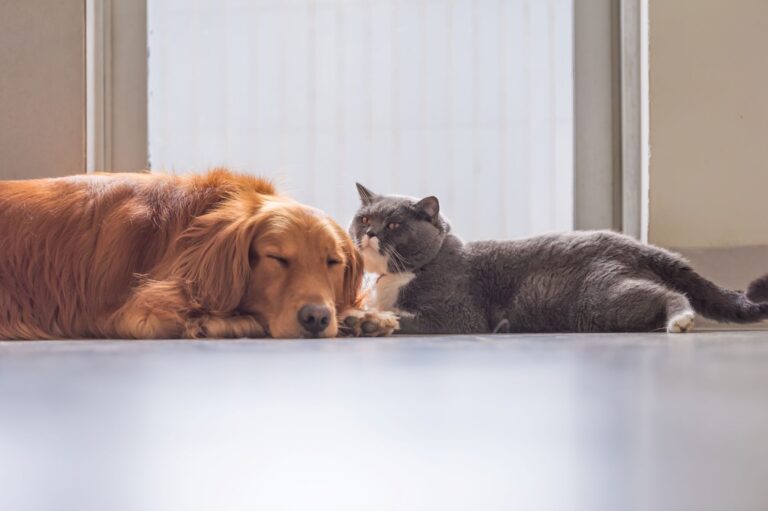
(448, 321)
(414, 324)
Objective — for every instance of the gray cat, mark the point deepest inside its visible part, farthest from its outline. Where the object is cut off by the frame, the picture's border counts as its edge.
(588, 281)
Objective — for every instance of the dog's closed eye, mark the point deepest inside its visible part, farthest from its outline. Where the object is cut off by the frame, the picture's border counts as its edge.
(332, 261)
(282, 260)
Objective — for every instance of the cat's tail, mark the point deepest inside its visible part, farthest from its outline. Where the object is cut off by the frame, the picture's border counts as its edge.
(706, 297)
(758, 289)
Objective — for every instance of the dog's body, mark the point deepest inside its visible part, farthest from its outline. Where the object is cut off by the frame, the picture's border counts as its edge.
(156, 256)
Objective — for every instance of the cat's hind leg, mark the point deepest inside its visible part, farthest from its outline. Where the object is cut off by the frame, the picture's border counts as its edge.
(680, 314)
(637, 305)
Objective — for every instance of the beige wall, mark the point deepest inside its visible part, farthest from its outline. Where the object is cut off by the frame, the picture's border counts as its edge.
(42, 88)
(708, 87)
(128, 97)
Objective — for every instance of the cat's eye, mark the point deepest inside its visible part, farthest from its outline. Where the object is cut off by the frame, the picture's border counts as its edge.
(392, 226)
(365, 220)
(282, 260)
(332, 261)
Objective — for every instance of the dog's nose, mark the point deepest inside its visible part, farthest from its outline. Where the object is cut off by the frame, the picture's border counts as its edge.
(314, 318)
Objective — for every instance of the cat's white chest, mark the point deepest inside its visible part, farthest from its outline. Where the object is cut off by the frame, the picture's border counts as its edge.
(388, 287)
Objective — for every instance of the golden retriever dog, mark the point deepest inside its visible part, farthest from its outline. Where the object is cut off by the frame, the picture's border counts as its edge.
(157, 256)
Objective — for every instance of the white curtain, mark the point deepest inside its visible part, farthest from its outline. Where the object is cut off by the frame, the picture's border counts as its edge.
(467, 100)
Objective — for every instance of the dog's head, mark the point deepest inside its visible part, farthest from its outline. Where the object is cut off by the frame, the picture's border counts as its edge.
(287, 264)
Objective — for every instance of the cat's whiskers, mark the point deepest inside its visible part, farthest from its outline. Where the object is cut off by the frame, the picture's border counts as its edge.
(399, 258)
(390, 258)
(396, 259)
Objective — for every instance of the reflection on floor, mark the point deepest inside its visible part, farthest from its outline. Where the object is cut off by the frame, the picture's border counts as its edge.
(535, 422)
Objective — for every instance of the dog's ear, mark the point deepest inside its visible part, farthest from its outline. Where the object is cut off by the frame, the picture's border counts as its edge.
(353, 274)
(214, 259)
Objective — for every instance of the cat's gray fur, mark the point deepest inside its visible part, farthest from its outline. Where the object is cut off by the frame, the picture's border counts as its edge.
(589, 281)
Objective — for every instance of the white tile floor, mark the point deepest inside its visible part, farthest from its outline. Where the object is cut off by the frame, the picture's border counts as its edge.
(560, 422)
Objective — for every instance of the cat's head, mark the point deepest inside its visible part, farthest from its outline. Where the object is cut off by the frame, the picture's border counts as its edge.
(397, 234)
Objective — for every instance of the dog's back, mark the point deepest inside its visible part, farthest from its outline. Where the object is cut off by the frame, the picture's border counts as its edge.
(71, 248)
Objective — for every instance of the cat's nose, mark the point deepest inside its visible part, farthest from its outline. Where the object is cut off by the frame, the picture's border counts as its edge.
(370, 233)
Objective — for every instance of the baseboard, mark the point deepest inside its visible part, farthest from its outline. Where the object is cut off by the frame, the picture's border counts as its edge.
(733, 268)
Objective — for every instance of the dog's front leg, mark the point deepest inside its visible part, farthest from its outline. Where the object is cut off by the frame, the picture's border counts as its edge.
(367, 323)
(155, 310)
(163, 310)
(232, 327)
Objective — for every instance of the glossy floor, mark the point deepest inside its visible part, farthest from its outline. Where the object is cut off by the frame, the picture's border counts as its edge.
(561, 422)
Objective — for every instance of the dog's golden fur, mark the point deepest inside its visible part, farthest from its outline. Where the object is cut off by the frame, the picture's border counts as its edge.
(156, 256)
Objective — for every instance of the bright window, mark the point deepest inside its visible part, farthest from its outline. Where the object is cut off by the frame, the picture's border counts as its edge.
(468, 100)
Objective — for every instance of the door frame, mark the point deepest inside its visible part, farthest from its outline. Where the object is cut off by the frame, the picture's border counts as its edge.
(610, 104)
(611, 116)
(116, 85)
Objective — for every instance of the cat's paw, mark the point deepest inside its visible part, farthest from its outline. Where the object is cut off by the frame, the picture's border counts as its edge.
(371, 323)
(681, 323)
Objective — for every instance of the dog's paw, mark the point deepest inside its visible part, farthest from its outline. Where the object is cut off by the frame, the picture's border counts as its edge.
(372, 323)
(681, 323)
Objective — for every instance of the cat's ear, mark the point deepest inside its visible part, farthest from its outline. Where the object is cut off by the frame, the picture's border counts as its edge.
(429, 205)
(366, 196)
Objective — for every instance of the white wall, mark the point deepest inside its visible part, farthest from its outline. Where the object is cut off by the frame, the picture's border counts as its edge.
(708, 123)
